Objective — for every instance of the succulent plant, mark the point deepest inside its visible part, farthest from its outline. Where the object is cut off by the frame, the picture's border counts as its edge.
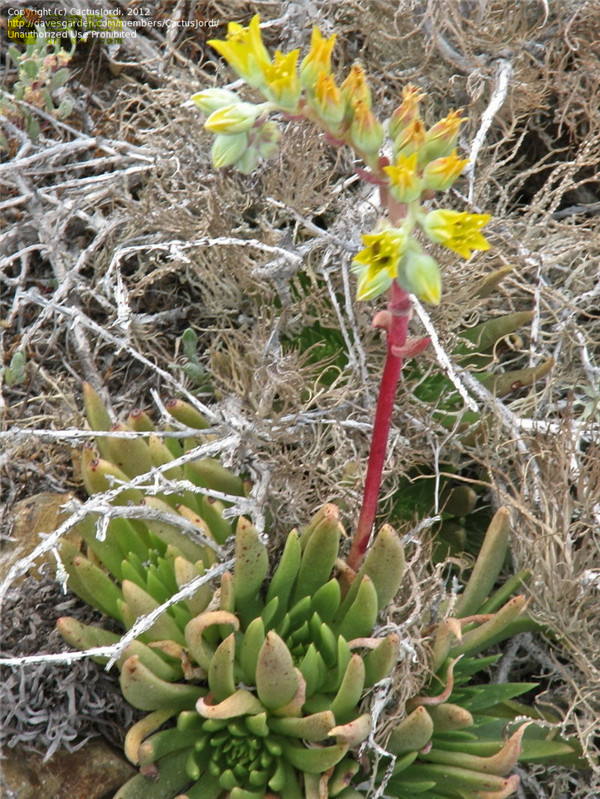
(257, 688)
(453, 742)
(265, 685)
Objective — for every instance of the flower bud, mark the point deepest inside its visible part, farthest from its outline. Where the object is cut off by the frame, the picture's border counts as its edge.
(419, 274)
(441, 173)
(212, 99)
(355, 88)
(440, 139)
(406, 111)
(328, 103)
(231, 119)
(404, 181)
(410, 139)
(227, 149)
(318, 60)
(366, 133)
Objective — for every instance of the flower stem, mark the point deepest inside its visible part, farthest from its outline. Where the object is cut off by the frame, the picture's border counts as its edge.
(398, 317)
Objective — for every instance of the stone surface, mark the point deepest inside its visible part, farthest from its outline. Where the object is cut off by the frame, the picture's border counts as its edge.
(93, 772)
(40, 513)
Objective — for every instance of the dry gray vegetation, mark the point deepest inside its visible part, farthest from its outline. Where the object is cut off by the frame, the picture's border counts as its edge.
(117, 235)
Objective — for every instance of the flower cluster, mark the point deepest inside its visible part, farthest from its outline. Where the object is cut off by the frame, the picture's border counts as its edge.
(424, 161)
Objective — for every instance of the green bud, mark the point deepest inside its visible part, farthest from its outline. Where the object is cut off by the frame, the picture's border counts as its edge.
(227, 149)
(236, 118)
(419, 274)
(212, 99)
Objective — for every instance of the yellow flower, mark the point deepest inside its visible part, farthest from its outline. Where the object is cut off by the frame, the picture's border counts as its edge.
(244, 50)
(440, 174)
(406, 111)
(355, 88)
(457, 230)
(281, 79)
(366, 133)
(318, 59)
(441, 138)
(405, 184)
(410, 138)
(377, 264)
(328, 102)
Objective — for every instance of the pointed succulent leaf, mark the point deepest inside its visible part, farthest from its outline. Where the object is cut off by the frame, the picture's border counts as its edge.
(252, 642)
(108, 551)
(384, 564)
(319, 554)
(141, 729)
(144, 690)
(251, 562)
(412, 733)
(313, 669)
(240, 703)
(283, 580)
(491, 282)
(314, 727)
(491, 631)
(294, 707)
(485, 336)
(186, 414)
(106, 593)
(131, 455)
(359, 619)
(345, 703)
(353, 732)
(502, 384)
(380, 661)
(85, 636)
(221, 680)
(140, 603)
(199, 648)
(258, 725)
(210, 473)
(342, 776)
(448, 717)
(170, 780)
(101, 475)
(326, 600)
(97, 415)
(68, 552)
(461, 779)
(276, 678)
(171, 533)
(314, 760)
(211, 511)
(500, 763)
(205, 787)
(139, 421)
(160, 455)
(487, 566)
(163, 743)
(185, 572)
